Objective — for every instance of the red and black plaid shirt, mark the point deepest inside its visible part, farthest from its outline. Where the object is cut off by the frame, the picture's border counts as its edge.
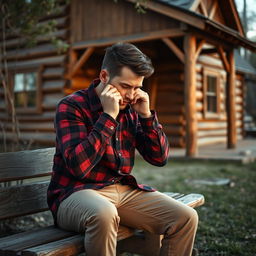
(94, 150)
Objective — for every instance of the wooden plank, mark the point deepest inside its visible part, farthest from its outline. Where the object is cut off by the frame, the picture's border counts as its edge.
(21, 241)
(47, 139)
(192, 200)
(22, 200)
(165, 109)
(18, 42)
(190, 95)
(45, 117)
(58, 60)
(179, 130)
(41, 50)
(35, 127)
(26, 164)
(53, 86)
(52, 98)
(171, 119)
(53, 72)
(146, 36)
(68, 246)
(174, 48)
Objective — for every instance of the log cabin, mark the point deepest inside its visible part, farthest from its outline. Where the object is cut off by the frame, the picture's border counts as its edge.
(197, 90)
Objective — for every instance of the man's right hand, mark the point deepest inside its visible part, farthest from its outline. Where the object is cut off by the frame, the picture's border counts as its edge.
(110, 99)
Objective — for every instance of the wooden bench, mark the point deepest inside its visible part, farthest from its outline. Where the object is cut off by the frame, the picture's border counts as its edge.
(29, 196)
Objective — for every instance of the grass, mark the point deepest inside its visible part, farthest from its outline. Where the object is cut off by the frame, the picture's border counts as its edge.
(227, 223)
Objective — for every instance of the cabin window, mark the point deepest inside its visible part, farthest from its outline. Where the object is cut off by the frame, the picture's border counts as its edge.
(26, 90)
(211, 93)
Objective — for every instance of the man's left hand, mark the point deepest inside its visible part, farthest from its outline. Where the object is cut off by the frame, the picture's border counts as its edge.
(140, 103)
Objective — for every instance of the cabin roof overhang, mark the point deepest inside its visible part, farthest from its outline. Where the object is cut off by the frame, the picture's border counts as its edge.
(201, 23)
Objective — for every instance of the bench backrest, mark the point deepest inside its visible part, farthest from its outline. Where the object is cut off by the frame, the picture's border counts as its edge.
(27, 168)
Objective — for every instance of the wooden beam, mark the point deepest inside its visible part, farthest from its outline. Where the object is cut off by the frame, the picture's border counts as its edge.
(190, 95)
(213, 10)
(199, 48)
(195, 5)
(86, 55)
(231, 110)
(203, 8)
(224, 59)
(147, 36)
(174, 48)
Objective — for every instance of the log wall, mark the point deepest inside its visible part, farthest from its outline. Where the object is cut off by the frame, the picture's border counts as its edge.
(37, 127)
(169, 102)
(212, 130)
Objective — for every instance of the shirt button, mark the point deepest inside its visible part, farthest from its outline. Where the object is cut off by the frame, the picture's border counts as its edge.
(111, 127)
(119, 154)
(116, 139)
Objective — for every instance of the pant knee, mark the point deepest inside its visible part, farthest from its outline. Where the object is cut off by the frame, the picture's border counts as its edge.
(105, 217)
(186, 219)
(192, 217)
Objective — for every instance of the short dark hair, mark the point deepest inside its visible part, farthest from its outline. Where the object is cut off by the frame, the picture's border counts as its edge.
(125, 54)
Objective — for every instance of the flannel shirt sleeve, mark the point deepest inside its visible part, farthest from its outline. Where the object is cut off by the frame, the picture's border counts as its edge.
(81, 150)
(151, 141)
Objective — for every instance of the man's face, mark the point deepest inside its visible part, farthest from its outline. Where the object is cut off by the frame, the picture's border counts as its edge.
(127, 83)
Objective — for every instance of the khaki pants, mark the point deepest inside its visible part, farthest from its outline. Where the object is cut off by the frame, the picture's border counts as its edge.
(99, 212)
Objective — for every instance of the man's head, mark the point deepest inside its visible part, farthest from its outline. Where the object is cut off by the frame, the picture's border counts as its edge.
(125, 67)
(126, 55)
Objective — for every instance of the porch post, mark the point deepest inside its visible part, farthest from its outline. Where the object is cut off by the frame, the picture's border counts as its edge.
(230, 103)
(190, 95)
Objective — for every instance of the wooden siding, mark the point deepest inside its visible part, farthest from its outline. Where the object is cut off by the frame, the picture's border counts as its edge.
(104, 18)
(44, 58)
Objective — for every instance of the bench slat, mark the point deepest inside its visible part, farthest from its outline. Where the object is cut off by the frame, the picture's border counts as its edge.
(41, 245)
(23, 200)
(192, 200)
(29, 239)
(68, 246)
(26, 164)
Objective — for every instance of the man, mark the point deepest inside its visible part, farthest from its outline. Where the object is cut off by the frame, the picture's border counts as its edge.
(97, 130)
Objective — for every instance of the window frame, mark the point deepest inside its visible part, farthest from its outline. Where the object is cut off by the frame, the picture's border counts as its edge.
(38, 107)
(209, 72)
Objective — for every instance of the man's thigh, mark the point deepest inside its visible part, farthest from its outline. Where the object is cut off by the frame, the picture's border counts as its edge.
(75, 210)
(152, 211)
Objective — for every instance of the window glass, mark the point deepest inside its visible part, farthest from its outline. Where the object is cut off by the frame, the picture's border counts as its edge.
(25, 85)
(19, 83)
(211, 94)
(30, 81)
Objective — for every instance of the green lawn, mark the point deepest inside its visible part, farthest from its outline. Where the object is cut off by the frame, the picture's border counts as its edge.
(228, 218)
